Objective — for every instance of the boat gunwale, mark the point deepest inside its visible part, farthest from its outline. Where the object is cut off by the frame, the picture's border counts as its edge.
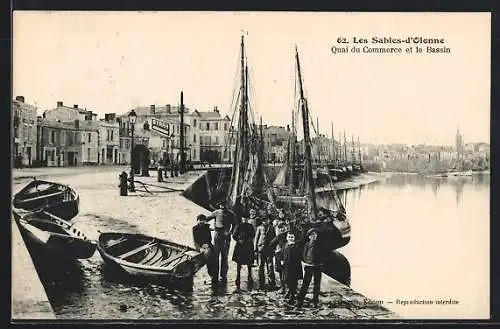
(162, 269)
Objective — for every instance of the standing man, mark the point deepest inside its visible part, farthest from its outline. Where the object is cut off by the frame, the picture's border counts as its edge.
(263, 238)
(225, 221)
(203, 242)
(312, 261)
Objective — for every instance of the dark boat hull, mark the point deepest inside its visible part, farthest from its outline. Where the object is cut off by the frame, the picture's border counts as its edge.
(148, 257)
(64, 243)
(57, 199)
(335, 232)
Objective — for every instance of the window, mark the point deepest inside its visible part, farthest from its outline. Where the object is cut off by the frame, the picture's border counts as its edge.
(127, 143)
(52, 136)
(121, 143)
(207, 126)
(178, 129)
(216, 140)
(194, 154)
(52, 154)
(225, 126)
(88, 154)
(216, 126)
(28, 128)
(90, 137)
(185, 130)
(194, 138)
(112, 135)
(194, 123)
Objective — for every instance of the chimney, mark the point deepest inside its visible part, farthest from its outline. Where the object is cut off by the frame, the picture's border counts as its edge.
(59, 103)
(168, 108)
(152, 109)
(20, 99)
(216, 109)
(74, 106)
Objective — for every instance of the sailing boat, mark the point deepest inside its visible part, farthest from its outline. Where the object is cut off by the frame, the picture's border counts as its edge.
(325, 211)
(246, 184)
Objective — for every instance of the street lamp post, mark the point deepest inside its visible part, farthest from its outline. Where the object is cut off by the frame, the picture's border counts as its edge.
(172, 159)
(132, 117)
(190, 158)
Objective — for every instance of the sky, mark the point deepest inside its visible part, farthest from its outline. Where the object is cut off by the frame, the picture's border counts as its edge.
(114, 61)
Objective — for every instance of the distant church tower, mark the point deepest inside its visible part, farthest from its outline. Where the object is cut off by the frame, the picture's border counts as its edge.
(459, 143)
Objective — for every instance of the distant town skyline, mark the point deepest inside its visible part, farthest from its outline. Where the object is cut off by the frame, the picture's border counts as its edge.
(114, 61)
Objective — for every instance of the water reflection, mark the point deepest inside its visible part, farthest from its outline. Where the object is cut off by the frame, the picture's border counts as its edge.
(63, 280)
(412, 233)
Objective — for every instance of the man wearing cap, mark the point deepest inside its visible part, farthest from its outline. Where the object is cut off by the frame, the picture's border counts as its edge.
(312, 261)
(203, 241)
(225, 221)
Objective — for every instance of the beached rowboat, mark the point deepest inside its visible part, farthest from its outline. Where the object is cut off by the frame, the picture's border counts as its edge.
(147, 256)
(57, 199)
(55, 236)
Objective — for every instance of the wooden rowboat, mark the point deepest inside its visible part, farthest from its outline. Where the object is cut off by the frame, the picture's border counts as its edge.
(57, 199)
(55, 236)
(150, 257)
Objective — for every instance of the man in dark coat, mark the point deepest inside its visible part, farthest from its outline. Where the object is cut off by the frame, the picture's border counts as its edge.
(243, 254)
(225, 222)
(292, 268)
(312, 260)
(203, 242)
(263, 237)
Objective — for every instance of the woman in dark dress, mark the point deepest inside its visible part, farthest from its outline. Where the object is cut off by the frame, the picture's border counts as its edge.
(243, 254)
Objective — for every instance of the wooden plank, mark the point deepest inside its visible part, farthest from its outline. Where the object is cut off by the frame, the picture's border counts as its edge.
(114, 243)
(41, 197)
(135, 251)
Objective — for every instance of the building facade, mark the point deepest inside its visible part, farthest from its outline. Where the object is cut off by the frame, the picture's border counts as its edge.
(68, 136)
(24, 132)
(63, 144)
(216, 145)
(275, 142)
(109, 140)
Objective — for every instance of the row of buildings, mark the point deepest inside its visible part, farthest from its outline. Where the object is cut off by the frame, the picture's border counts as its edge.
(73, 136)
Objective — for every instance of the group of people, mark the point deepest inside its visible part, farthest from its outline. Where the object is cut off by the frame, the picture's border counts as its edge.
(272, 241)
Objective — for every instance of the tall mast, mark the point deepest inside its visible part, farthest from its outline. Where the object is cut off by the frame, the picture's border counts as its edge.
(359, 151)
(353, 154)
(333, 146)
(307, 144)
(345, 148)
(340, 150)
(291, 159)
(181, 136)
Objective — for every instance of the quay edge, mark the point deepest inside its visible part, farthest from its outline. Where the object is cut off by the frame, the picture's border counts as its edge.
(29, 300)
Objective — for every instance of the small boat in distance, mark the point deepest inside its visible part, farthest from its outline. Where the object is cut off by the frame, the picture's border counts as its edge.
(57, 199)
(149, 257)
(54, 235)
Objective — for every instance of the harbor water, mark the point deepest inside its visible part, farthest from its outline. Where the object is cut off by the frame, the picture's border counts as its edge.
(417, 241)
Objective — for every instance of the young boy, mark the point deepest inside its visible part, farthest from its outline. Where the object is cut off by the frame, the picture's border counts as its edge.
(262, 244)
(312, 260)
(292, 268)
(278, 244)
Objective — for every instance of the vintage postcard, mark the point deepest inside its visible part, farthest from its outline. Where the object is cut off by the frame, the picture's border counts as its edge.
(250, 166)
